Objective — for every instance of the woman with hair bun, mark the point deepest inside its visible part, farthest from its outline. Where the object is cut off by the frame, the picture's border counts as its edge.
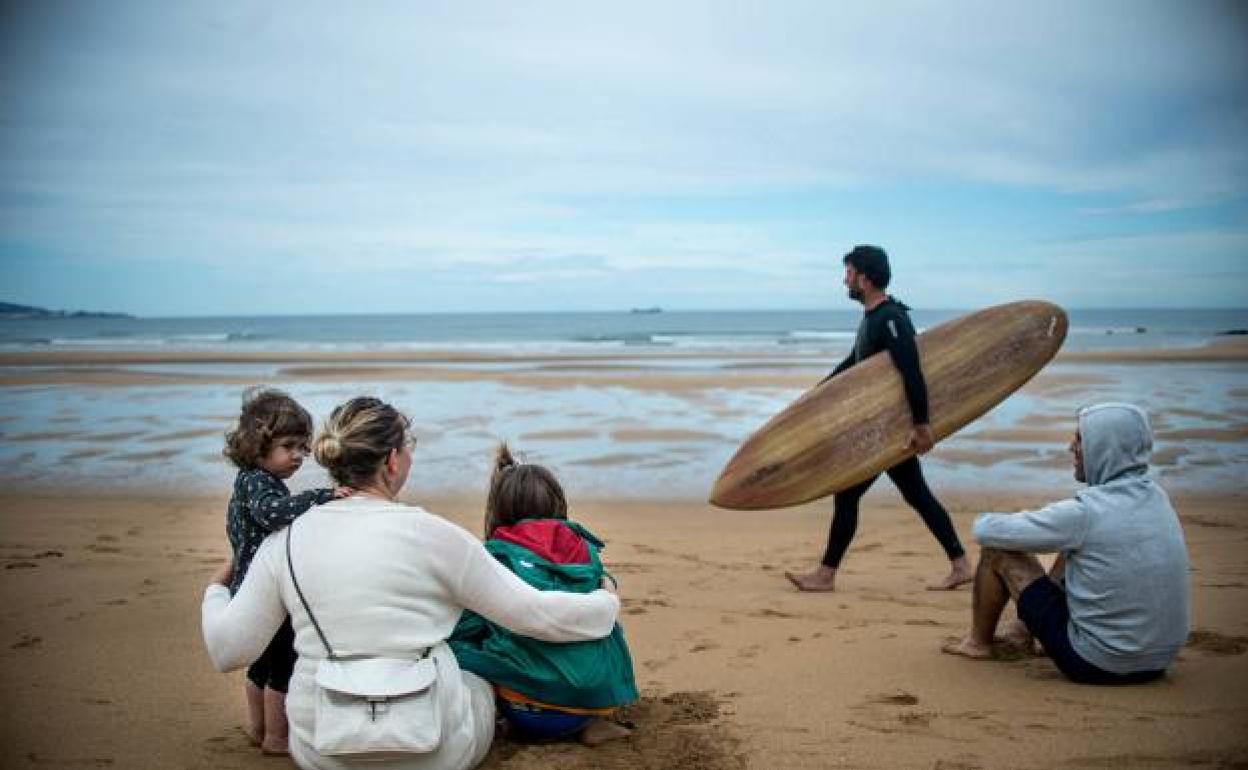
(385, 579)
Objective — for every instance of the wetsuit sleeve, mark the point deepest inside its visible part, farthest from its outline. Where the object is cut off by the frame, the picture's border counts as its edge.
(842, 366)
(897, 336)
(272, 507)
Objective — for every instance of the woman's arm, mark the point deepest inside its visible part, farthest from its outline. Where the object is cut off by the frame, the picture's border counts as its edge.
(489, 589)
(237, 630)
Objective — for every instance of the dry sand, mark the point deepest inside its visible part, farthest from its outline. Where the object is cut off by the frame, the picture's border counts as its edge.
(102, 663)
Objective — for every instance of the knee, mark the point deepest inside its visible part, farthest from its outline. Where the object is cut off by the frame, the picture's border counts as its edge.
(997, 558)
(990, 555)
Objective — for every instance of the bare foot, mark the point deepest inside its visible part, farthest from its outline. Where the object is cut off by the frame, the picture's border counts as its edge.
(600, 731)
(1015, 634)
(968, 648)
(822, 579)
(254, 736)
(960, 573)
(274, 748)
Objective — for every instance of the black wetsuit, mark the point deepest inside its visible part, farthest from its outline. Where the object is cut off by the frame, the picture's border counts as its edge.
(887, 327)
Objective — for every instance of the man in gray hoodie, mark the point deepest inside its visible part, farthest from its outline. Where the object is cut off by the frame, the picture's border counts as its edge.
(1114, 607)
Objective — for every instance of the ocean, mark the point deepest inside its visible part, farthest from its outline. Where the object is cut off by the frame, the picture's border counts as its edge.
(734, 331)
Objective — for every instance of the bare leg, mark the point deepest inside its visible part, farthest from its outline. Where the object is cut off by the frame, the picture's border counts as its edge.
(1015, 632)
(1001, 576)
(960, 573)
(822, 579)
(255, 713)
(599, 731)
(1058, 571)
(276, 733)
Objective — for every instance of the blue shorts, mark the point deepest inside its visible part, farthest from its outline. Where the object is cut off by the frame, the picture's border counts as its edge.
(1042, 607)
(535, 723)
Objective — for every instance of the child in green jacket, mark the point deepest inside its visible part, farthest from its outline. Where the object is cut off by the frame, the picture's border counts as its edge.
(545, 691)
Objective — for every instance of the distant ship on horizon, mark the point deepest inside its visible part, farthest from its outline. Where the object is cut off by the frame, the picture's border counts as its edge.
(646, 310)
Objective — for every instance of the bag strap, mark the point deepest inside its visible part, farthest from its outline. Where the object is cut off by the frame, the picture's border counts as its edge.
(291, 566)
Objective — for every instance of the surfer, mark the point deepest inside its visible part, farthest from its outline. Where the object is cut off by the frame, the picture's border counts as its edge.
(1113, 609)
(886, 326)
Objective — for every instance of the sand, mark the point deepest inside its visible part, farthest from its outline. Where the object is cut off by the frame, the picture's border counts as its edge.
(103, 665)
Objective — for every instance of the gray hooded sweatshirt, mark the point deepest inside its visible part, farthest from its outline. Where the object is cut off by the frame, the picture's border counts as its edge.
(1126, 562)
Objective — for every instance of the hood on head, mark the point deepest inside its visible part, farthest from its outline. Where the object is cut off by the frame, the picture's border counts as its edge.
(1117, 441)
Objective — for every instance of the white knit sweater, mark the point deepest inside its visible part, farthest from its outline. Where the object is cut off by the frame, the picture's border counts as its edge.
(388, 579)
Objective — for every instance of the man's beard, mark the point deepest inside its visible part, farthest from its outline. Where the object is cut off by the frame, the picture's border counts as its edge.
(855, 293)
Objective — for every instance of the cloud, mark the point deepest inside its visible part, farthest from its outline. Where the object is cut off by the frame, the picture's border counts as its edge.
(498, 139)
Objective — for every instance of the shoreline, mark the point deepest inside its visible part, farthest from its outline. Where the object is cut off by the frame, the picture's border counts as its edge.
(628, 369)
(1221, 349)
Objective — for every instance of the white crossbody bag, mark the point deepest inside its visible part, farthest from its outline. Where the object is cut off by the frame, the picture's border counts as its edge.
(372, 707)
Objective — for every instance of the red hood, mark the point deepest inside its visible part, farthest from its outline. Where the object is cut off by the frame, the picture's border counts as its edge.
(550, 539)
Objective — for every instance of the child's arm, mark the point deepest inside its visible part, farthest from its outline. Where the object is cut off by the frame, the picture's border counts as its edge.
(271, 506)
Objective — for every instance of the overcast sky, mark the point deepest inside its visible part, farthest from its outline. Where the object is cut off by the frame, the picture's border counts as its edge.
(168, 158)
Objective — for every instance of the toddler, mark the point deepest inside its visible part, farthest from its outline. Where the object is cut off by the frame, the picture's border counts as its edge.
(268, 446)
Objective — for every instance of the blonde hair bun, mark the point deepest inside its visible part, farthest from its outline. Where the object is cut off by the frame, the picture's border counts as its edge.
(328, 448)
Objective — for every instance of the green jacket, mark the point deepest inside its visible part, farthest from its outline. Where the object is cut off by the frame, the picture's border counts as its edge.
(593, 674)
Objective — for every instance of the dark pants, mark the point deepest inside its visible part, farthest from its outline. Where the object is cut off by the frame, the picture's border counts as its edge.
(1042, 607)
(908, 477)
(273, 668)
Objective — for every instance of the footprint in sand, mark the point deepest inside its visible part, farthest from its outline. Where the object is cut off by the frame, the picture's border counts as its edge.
(26, 641)
(103, 548)
(1213, 642)
(916, 718)
(21, 565)
(899, 698)
(767, 612)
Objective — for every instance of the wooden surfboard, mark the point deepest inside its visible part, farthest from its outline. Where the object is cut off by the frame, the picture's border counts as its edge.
(857, 424)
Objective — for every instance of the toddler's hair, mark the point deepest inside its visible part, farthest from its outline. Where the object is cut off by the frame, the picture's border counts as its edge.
(357, 437)
(268, 414)
(521, 491)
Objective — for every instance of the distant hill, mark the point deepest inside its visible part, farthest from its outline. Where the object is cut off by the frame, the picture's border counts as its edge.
(9, 311)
